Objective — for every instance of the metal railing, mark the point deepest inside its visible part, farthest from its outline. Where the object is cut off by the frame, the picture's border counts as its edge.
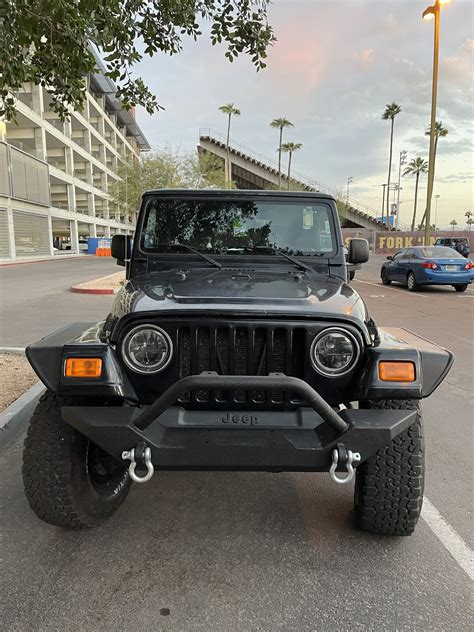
(300, 178)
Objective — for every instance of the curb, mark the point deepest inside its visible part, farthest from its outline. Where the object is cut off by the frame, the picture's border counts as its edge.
(13, 350)
(83, 290)
(15, 418)
(7, 264)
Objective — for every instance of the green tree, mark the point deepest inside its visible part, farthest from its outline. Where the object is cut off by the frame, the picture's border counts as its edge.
(453, 223)
(416, 167)
(391, 111)
(468, 216)
(230, 111)
(48, 42)
(280, 124)
(290, 148)
(165, 169)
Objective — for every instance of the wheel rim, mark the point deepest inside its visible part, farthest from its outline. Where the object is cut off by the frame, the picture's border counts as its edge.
(104, 472)
(411, 281)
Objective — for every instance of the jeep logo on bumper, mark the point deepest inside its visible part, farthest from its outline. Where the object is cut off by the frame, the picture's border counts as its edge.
(246, 420)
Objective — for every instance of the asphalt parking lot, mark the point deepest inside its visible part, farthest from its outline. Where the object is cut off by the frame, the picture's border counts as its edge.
(245, 551)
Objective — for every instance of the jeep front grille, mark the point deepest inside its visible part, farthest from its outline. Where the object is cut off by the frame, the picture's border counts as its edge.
(241, 350)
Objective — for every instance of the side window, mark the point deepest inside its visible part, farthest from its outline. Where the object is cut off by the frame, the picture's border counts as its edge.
(408, 254)
(397, 256)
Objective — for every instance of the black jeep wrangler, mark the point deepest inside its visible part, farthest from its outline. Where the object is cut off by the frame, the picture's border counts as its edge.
(235, 344)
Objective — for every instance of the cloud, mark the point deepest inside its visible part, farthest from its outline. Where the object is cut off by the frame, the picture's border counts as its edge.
(456, 177)
(334, 67)
(366, 58)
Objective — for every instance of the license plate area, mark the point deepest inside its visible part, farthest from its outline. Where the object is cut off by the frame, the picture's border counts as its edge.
(451, 268)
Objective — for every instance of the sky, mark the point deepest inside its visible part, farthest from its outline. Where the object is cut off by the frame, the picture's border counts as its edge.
(334, 67)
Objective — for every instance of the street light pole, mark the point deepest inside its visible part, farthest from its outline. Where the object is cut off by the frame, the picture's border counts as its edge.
(349, 180)
(436, 210)
(429, 13)
(383, 199)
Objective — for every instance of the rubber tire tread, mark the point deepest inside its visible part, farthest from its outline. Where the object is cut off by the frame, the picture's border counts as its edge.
(53, 492)
(389, 486)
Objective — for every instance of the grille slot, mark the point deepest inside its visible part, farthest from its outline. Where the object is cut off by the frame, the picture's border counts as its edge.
(240, 350)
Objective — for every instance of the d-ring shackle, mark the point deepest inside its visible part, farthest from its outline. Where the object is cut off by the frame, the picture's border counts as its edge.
(130, 454)
(352, 457)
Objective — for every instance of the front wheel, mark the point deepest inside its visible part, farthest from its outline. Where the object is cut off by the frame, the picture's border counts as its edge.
(461, 288)
(385, 280)
(69, 481)
(389, 486)
(412, 285)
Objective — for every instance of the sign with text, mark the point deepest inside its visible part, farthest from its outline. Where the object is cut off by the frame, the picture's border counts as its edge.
(389, 242)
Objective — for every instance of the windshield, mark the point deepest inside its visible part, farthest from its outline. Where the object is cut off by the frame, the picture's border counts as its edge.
(440, 252)
(220, 226)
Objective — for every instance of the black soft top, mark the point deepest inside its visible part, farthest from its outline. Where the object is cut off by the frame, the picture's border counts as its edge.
(238, 194)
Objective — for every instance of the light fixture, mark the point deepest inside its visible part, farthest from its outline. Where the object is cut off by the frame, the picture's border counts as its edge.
(147, 349)
(429, 13)
(334, 352)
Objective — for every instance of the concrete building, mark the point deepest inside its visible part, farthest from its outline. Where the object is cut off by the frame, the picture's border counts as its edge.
(55, 177)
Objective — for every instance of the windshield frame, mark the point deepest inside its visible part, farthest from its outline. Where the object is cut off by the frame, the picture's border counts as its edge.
(241, 259)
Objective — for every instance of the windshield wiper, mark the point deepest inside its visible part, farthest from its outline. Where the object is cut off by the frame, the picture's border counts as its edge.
(297, 262)
(196, 252)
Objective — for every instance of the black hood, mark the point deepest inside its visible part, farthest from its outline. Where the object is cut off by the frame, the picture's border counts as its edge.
(264, 291)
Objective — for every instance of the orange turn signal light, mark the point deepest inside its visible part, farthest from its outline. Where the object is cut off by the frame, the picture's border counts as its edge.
(397, 371)
(83, 367)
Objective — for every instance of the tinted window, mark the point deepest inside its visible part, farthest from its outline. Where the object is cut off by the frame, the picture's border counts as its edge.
(440, 252)
(408, 254)
(220, 226)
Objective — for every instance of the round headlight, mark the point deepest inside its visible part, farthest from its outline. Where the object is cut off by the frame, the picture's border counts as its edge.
(334, 352)
(147, 349)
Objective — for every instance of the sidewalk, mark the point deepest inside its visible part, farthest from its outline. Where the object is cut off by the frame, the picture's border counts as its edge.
(110, 284)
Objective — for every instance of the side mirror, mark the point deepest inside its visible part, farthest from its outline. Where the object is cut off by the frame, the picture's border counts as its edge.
(358, 251)
(120, 249)
(390, 258)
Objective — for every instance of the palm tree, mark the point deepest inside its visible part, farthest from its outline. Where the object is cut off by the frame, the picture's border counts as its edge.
(440, 132)
(468, 216)
(230, 110)
(416, 167)
(280, 123)
(453, 223)
(289, 148)
(391, 111)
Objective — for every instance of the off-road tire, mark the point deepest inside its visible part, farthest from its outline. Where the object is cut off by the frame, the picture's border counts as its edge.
(63, 486)
(383, 276)
(389, 486)
(412, 285)
(461, 288)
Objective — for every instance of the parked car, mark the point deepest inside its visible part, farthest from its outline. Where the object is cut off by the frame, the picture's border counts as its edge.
(428, 265)
(460, 244)
(235, 344)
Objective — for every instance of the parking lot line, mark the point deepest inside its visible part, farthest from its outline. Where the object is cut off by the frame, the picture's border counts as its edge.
(448, 537)
(387, 287)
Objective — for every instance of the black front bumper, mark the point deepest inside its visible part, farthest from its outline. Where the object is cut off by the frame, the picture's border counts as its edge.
(302, 439)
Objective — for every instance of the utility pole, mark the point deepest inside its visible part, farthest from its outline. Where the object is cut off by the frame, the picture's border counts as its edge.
(401, 162)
